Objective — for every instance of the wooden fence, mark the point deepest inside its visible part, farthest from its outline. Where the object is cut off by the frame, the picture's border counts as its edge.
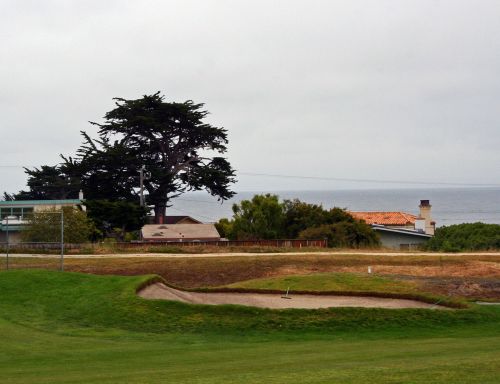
(280, 243)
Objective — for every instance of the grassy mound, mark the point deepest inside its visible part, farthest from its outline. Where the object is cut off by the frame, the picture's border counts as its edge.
(76, 328)
(46, 299)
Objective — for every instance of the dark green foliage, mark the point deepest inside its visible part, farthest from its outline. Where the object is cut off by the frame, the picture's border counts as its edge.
(8, 196)
(259, 218)
(344, 234)
(466, 237)
(111, 217)
(48, 183)
(224, 227)
(106, 169)
(170, 140)
(300, 216)
(265, 217)
(45, 226)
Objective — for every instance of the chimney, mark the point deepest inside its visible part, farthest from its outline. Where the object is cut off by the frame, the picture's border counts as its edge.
(425, 213)
(420, 225)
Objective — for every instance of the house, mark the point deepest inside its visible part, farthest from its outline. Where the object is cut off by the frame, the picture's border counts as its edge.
(402, 239)
(180, 220)
(399, 220)
(401, 230)
(14, 214)
(180, 232)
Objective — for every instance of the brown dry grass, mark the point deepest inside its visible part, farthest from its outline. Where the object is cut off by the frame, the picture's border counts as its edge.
(467, 276)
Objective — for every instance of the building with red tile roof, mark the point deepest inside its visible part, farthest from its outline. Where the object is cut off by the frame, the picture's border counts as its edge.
(388, 219)
(401, 230)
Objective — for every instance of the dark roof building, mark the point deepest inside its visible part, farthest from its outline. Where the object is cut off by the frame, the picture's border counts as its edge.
(180, 232)
(180, 220)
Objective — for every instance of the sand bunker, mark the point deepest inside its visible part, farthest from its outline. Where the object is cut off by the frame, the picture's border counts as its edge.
(267, 300)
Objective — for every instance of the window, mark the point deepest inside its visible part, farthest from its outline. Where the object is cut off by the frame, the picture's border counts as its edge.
(4, 212)
(27, 211)
(17, 212)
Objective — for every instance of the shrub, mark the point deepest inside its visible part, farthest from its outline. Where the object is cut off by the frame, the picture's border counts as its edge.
(265, 217)
(45, 226)
(259, 218)
(466, 237)
(343, 235)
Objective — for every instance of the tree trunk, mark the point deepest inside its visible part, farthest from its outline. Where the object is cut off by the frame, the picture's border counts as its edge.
(160, 213)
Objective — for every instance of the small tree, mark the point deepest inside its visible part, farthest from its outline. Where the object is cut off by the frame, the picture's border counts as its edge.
(259, 218)
(45, 226)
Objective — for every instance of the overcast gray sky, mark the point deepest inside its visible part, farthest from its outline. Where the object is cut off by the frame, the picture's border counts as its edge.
(396, 90)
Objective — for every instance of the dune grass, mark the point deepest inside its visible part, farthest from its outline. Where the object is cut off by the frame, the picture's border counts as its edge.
(76, 328)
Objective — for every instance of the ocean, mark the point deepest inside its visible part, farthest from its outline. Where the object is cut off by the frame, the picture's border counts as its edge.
(449, 205)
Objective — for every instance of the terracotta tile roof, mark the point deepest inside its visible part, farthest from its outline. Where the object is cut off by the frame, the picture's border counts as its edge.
(385, 218)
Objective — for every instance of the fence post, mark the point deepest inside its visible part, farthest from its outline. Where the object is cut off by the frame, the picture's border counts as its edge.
(8, 245)
(62, 239)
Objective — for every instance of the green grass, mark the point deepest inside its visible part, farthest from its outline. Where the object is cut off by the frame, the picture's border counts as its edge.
(331, 282)
(76, 328)
(344, 284)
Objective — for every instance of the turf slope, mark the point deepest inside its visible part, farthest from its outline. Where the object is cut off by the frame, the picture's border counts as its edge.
(76, 328)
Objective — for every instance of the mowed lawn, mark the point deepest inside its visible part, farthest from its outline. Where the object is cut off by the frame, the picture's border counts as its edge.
(77, 328)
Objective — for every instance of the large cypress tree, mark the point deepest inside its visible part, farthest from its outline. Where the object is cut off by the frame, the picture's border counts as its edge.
(178, 149)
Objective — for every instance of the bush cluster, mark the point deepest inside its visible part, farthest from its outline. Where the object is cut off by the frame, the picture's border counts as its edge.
(466, 237)
(45, 226)
(266, 217)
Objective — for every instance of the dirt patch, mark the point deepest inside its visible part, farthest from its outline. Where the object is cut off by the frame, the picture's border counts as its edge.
(470, 288)
(276, 301)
